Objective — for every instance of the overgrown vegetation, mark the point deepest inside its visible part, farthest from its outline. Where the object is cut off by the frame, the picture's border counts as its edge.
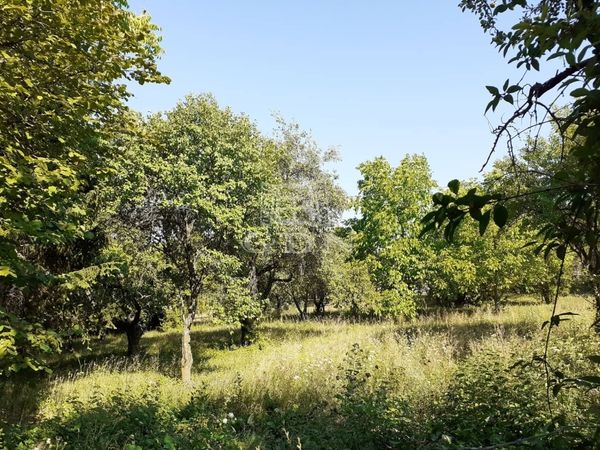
(447, 380)
(193, 221)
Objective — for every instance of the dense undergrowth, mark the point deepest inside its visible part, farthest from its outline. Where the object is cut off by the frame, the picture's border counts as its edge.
(462, 379)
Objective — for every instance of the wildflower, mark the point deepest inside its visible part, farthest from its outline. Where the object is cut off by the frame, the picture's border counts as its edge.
(230, 415)
(225, 420)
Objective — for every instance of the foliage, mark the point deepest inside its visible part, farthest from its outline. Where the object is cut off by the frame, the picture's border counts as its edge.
(386, 235)
(62, 92)
(24, 345)
(476, 269)
(568, 180)
(61, 101)
(206, 177)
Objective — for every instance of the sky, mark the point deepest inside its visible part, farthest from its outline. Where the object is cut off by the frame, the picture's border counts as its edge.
(371, 78)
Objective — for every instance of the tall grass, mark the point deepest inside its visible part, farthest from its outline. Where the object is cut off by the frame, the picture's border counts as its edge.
(291, 384)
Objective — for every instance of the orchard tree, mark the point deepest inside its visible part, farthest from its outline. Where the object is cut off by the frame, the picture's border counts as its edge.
(209, 166)
(310, 204)
(474, 269)
(390, 203)
(63, 68)
(133, 299)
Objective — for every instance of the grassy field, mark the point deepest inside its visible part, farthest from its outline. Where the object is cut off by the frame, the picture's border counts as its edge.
(442, 381)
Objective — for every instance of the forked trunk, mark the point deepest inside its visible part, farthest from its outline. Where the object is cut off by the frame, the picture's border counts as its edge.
(132, 327)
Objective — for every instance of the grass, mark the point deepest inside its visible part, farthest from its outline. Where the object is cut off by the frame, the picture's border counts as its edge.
(303, 383)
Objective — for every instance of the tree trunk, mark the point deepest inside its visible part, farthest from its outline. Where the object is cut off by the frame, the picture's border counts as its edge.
(247, 331)
(248, 324)
(278, 307)
(132, 328)
(189, 312)
(320, 305)
(300, 310)
(134, 334)
(546, 293)
(596, 292)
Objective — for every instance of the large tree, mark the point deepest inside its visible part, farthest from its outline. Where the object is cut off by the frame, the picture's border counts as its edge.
(390, 203)
(63, 69)
(208, 169)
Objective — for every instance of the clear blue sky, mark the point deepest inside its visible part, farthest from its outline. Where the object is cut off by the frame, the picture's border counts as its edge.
(369, 77)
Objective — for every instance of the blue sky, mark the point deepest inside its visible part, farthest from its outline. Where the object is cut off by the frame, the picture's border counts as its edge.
(368, 77)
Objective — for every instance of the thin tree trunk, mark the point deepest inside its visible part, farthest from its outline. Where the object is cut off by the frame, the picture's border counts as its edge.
(299, 308)
(186, 348)
(248, 324)
(596, 291)
(277, 307)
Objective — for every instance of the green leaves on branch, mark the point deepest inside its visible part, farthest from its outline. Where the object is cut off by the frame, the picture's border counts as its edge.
(452, 208)
(556, 319)
(506, 95)
(24, 345)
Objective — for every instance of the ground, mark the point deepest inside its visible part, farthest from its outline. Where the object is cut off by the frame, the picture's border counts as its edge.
(445, 380)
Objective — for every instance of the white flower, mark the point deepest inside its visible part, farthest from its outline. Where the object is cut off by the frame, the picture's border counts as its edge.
(230, 415)
(225, 420)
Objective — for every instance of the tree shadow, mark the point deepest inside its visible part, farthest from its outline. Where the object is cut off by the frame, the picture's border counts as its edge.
(463, 334)
(20, 397)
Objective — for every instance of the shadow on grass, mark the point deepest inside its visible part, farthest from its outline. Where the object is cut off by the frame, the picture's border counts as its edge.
(20, 397)
(463, 334)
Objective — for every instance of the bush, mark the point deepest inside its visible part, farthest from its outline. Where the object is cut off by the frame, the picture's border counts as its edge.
(498, 397)
(132, 421)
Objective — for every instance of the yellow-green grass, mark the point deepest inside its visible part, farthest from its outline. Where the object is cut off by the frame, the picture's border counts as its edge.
(294, 364)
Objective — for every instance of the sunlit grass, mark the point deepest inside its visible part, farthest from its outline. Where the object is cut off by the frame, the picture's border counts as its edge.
(297, 362)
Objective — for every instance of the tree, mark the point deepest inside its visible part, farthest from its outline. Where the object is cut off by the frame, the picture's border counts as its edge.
(134, 298)
(568, 32)
(483, 269)
(386, 235)
(209, 166)
(62, 71)
(310, 206)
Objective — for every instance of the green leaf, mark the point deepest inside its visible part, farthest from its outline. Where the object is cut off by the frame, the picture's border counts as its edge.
(475, 213)
(579, 92)
(493, 90)
(484, 222)
(454, 185)
(500, 215)
(6, 271)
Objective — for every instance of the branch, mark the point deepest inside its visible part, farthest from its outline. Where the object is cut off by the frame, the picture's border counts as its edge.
(536, 91)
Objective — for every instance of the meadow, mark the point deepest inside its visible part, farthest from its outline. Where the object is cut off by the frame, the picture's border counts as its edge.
(450, 379)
